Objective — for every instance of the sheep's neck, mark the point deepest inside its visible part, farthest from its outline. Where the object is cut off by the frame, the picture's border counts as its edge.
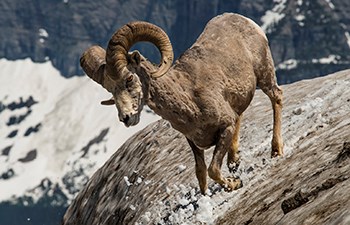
(171, 100)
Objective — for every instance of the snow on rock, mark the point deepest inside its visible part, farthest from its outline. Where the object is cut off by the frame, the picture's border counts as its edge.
(43, 33)
(330, 4)
(347, 35)
(273, 16)
(126, 179)
(53, 129)
(300, 18)
(288, 64)
(181, 168)
(205, 210)
(316, 132)
(327, 60)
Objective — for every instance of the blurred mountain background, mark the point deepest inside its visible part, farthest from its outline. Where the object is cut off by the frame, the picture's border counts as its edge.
(307, 38)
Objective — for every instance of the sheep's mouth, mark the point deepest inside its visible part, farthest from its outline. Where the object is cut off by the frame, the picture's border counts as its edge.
(131, 120)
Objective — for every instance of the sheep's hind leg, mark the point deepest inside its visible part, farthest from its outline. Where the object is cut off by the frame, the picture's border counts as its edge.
(233, 159)
(201, 168)
(214, 169)
(276, 95)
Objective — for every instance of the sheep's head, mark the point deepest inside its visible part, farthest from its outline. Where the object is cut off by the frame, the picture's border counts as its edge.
(118, 71)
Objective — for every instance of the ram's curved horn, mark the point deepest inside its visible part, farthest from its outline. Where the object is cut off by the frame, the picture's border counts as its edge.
(127, 36)
(93, 62)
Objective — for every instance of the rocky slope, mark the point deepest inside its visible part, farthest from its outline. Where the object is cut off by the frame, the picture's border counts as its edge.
(308, 38)
(151, 179)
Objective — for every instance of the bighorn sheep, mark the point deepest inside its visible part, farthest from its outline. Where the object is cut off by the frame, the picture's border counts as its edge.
(203, 94)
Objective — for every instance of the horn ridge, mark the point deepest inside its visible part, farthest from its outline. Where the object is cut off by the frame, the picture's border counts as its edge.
(93, 63)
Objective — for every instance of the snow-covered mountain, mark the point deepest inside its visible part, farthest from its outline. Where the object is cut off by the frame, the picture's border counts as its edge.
(54, 134)
(308, 38)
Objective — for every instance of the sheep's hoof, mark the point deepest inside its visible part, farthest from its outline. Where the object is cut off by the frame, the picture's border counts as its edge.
(276, 152)
(203, 189)
(277, 149)
(232, 184)
(233, 166)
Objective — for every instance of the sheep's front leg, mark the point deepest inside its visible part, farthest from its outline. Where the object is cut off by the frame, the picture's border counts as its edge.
(277, 141)
(214, 169)
(233, 153)
(201, 168)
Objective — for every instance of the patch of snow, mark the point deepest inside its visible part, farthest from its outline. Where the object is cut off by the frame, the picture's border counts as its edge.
(43, 33)
(288, 64)
(300, 17)
(139, 180)
(327, 60)
(168, 190)
(181, 168)
(205, 210)
(147, 182)
(330, 4)
(347, 35)
(145, 218)
(126, 179)
(273, 16)
(183, 201)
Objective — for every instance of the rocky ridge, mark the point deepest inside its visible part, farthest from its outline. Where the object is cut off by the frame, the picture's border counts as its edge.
(151, 178)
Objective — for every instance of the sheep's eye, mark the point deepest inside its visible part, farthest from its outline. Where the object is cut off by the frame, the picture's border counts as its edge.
(130, 78)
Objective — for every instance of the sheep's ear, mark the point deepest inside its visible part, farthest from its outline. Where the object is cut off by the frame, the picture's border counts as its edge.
(135, 58)
(108, 102)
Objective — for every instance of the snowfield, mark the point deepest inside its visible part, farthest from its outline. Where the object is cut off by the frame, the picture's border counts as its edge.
(53, 129)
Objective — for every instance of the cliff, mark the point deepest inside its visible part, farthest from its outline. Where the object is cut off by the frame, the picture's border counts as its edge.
(151, 178)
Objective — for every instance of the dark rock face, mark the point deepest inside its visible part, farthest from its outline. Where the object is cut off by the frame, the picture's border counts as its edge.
(61, 30)
(95, 140)
(31, 130)
(151, 178)
(310, 32)
(17, 119)
(31, 155)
